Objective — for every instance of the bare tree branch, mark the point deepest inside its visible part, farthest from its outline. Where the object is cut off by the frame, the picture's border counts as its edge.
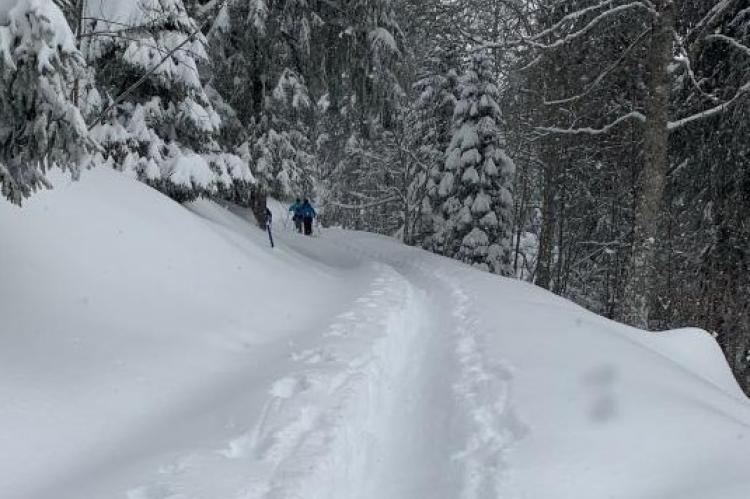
(634, 115)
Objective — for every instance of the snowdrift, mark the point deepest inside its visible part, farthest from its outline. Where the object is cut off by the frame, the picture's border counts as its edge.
(150, 350)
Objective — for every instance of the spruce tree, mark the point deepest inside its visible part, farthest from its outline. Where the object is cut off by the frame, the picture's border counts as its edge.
(40, 126)
(283, 160)
(476, 186)
(430, 127)
(163, 130)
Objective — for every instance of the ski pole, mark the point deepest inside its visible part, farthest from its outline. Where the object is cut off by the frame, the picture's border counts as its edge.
(270, 234)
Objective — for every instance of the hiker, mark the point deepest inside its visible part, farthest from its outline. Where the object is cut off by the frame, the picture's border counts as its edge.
(308, 213)
(296, 209)
(269, 221)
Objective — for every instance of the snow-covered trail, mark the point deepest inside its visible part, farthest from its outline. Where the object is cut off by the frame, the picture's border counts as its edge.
(148, 351)
(391, 399)
(456, 425)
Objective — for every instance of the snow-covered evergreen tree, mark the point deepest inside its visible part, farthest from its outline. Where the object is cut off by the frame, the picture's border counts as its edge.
(283, 157)
(262, 53)
(40, 126)
(430, 130)
(476, 185)
(164, 129)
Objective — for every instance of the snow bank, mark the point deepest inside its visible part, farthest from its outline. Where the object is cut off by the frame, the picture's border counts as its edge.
(612, 411)
(564, 404)
(124, 319)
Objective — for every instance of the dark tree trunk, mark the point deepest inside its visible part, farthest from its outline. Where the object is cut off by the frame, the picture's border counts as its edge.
(543, 273)
(640, 282)
(258, 200)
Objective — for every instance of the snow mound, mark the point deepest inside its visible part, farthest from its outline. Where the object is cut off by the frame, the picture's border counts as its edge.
(123, 314)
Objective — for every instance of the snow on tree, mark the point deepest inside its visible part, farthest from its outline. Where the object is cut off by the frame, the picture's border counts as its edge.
(280, 149)
(476, 185)
(430, 126)
(163, 129)
(40, 126)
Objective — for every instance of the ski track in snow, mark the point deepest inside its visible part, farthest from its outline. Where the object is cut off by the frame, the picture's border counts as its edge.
(313, 436)
(483, 390)
(323, 431)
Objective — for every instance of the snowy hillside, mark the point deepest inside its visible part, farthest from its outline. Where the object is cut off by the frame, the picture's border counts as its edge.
(153, 351)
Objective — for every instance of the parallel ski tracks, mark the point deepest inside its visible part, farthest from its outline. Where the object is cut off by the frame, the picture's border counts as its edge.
(340, 423)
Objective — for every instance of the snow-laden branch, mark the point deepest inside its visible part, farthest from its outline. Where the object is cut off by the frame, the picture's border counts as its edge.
(674, 125)
(602, 75)
(683, 59)
(118, 35)
(573, 16)
(148, 73)
(633, 115)
(733, 42)
(373, 204)
(480, 44)
(591, 25)
(711, 19)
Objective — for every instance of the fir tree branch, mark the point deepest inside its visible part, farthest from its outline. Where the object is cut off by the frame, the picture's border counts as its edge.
(148, 73)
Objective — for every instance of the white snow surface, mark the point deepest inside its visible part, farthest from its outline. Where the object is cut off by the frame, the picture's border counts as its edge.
(154, 351)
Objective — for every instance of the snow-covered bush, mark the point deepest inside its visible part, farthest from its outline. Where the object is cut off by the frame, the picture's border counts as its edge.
(40, 126)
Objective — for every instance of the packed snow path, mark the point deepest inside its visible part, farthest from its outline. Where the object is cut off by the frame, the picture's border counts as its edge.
(154, 351)
(393, 398)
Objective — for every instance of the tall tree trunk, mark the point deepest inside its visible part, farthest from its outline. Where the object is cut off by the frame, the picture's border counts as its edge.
(520, 219)
(640, 282)
(558, 286)
(543, 273)
(258, 205)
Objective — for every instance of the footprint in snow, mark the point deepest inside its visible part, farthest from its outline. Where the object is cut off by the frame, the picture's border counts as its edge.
(286, 388)
(337, 330)
(237, 448)
(314, 356)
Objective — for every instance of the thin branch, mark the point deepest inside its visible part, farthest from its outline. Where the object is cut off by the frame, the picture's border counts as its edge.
(573, 16)
(674, 125)
(591, 25)
(733, 42)
(634, 115)
(602, 75)
(684, 59)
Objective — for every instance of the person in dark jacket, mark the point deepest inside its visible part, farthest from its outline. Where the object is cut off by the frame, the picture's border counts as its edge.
(308, 214)
(296, 209)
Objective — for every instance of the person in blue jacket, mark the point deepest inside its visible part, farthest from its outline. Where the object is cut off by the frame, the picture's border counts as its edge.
(308, 214)
(296, 209)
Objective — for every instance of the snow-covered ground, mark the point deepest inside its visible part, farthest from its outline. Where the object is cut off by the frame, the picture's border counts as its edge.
(153, 351)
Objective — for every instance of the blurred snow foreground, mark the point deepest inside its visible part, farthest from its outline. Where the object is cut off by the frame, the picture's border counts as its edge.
(152, 350)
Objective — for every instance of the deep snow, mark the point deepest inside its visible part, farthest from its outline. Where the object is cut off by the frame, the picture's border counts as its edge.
(153, 351)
